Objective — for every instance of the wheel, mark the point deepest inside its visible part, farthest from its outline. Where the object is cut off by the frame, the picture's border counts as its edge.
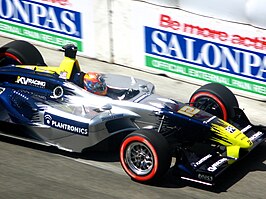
(145, 155)
(20, 52)
(216, 99)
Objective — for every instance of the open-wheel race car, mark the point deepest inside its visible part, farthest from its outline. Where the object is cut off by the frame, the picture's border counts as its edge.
(59, 106)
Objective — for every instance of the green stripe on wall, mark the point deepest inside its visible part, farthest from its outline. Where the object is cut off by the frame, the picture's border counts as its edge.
(38, 35)
(201, 74)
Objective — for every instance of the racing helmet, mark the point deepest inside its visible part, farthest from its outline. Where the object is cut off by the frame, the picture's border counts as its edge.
(95, 83)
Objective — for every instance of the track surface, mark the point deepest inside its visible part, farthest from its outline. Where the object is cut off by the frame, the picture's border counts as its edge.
(33, 171)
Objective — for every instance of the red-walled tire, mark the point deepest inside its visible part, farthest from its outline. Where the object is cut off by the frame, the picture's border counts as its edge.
(20, 52)
(215, 99)
(145, 155)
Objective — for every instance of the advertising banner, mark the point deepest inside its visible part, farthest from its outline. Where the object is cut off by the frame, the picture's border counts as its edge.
(51, 22)
(202, 49)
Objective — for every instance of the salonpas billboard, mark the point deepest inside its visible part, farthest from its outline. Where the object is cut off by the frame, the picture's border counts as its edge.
(202, 49)
(53, 22)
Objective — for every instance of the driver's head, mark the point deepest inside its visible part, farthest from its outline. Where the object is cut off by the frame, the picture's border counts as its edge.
(95, 83)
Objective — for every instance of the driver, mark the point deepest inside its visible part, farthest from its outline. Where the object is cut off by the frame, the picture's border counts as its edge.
(94, 83)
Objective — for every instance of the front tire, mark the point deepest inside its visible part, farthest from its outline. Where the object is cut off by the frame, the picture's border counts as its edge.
(216, 99)
(145, 155)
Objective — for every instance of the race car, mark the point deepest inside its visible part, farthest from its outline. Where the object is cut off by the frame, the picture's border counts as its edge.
(54, 106)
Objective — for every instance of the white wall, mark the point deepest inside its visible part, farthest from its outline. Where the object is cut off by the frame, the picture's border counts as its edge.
(244, 11)
(102, 30)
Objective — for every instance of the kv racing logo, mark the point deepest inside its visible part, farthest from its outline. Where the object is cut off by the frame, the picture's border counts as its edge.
(66, 124)
(30, 82)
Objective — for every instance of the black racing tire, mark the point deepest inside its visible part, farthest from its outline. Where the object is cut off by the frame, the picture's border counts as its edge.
(145, 155)
(216, 99)
(21, 52)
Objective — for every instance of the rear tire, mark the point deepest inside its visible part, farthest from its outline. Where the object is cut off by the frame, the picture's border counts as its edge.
(145, 155)
(215, 99)
(20, 53)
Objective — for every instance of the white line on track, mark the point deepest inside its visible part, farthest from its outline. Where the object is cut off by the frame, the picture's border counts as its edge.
(103, 165)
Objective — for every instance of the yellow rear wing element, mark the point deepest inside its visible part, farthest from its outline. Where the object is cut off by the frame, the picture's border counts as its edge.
(67, 67)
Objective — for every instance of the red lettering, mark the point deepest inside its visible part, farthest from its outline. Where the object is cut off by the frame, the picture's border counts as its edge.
(248, 42)
(205, 32)
(60, 2)
(236, 39)
(167, 22)
(257, 43)
(223, 36)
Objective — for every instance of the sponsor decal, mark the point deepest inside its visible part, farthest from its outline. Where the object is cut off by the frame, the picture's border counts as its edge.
(217, 164)
(30, 82)
(65, 124)
(63, 74)
(205, 60)
(205, 177)
(230, 129)
(256, 136)
(202, 160)
(188, 111)
(41, 22)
